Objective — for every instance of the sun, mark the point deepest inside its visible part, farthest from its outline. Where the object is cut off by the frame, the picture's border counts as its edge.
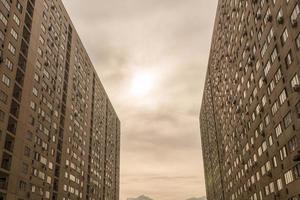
(142, 83)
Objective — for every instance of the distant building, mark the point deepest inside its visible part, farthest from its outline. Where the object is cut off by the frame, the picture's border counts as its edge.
(142, 197)
(250, 114)
(199, 198)
(59, 134)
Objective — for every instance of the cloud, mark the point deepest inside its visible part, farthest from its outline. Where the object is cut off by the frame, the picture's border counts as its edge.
(161, 154)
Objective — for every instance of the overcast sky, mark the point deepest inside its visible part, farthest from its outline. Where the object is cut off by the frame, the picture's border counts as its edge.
(151, 56)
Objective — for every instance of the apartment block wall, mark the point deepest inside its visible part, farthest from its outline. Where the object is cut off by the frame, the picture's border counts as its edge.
(53, 109)
(210, 143)
(253, 93)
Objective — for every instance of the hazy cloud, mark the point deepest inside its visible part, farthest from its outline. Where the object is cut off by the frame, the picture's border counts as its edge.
(161, 154)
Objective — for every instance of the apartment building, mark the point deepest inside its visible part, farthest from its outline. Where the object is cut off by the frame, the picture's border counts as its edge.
(59, 133)
(250, 114)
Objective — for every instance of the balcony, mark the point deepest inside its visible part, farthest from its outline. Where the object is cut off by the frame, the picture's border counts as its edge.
(15, 108)
(20, 77)
(9, 143)
(17, 93)
(6, 162)
(22, 62)
(12, 125)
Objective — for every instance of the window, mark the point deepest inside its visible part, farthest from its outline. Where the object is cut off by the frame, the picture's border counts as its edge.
(298, 108)
(257, 66)
(35, 91)
(289, 177)
(297, 171)
(295, 14)
(27, 151)
(2, 36)
(263, 170)
(40, 52)
(274, 161)
(14, 34)
(264, 49)
(32, 105)
(270, 35)
(280, 16)
(260, 195)
(271, 87)
(36, 77)
(258, 176)
(258, 109)
(272, 188)
(267, 120)
(32, 188)
(264, 146)
(271, 140)
(41, 175)
(6, 4)
(289, 59)
(267, 68)
(264, 100)
(282, 97)
(293, 144)
(11, 48)
(31, 120)
(43, 160)
(268, 166)
(8, 64)
(283, 153)
(50, 165)
(267, 190)
(3, 97)
(2, 115)
(22, 186)
(284, 37)
(42, 41)
(43, 28)
(47, 193)
(3, 19)
(275, 108)
(278, 75)
(19, 7)
(274, 55)
(278, 130)
(29, 135)
(5, 80)
(261, 82)
(24, 168)
(38, 64)
(16, 19)
(279, 184)
(298, 41)
(46, 73)
(45, 16)
(295, 81)
(287, 120)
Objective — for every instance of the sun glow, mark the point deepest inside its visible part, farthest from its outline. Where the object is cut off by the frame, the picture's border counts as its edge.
(142, 83)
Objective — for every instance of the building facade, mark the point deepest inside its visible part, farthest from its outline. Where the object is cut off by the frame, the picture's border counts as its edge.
(59, 133)
(250, 114)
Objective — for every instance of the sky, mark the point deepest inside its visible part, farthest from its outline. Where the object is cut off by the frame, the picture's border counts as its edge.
(151, 56)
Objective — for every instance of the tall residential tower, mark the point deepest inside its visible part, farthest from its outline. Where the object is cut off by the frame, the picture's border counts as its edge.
(250, 115)
(59, 134)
